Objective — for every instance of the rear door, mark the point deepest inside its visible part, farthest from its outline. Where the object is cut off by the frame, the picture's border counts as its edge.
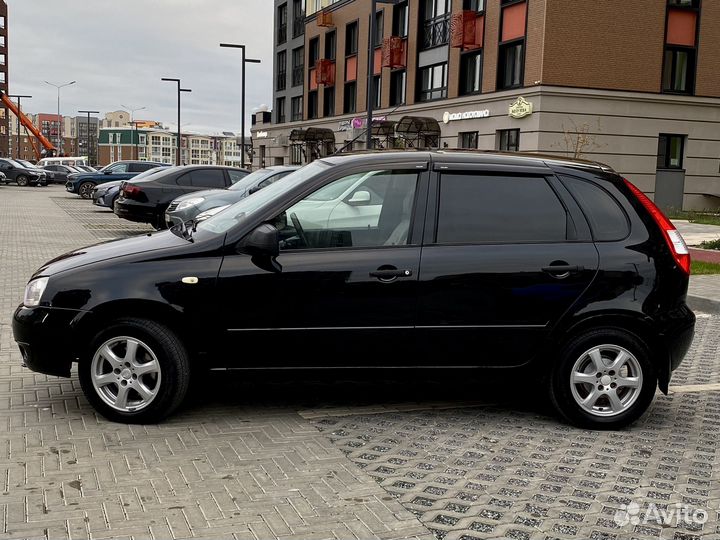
(505, 255)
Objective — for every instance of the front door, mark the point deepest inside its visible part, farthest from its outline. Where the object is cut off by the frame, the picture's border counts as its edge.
(346, 294)
(505, 260)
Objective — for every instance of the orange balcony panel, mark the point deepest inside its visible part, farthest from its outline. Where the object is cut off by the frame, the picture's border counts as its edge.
(351, 68)
(313, 75)
(681, 27)
(393, 52)
(513, 21)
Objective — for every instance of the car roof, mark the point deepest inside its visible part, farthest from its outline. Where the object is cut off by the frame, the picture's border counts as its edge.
(518, 159)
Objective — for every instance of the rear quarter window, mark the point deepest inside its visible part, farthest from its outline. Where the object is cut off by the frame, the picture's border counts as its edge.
(499, 209)
(606, 217)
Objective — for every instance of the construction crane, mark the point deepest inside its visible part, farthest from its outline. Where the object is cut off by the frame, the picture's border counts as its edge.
(49, 149)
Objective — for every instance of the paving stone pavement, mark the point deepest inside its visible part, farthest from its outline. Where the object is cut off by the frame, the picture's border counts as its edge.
(311, 457)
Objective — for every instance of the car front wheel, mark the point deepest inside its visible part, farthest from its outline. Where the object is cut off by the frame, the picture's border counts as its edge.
(22, 180)
(136, 371)
(603, 380)
(85, 190)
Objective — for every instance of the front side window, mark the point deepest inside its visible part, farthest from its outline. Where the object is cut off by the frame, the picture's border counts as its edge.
(510, 65)
(509, 140)
(236, 176)
(433, 82)
(494, 209)
(367, 209)
(118, 168)
(670, 151)
(471, 73)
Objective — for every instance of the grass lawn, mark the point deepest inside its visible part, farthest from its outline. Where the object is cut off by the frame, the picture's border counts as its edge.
(698, 268)
(703, 218)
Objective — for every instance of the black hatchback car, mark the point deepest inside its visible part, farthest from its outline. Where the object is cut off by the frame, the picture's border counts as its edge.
(146, 200)
(559, 269)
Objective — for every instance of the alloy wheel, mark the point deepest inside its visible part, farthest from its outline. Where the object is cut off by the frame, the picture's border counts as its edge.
(125, 373)
(606, 380)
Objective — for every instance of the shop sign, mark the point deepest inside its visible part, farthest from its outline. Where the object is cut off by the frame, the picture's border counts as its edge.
(261, 134)
(467, 115)
(345, 125)
(520, 108)
(361, 122)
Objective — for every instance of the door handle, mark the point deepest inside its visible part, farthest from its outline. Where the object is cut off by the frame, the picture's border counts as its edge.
(390, 274)
(561, 271)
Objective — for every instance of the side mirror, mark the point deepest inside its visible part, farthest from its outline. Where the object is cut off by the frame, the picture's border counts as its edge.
(359, 198)
(107, 172)
(263, 241)
(254, 190)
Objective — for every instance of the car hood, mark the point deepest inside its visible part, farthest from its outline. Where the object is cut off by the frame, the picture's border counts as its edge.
(204, 193)
(36, 170)
(110, 250)
(87, 176)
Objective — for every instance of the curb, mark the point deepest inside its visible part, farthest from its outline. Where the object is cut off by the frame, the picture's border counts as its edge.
(706, 305)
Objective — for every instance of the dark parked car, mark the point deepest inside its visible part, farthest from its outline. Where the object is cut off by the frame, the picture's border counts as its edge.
(557, 269)
(58, 174)
(107, 193)
(83, 184)
(207, 203)
(146, 200)
(21, 174)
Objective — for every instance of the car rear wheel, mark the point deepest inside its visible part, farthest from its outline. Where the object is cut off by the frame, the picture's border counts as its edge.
(85, 189)
(22, 180)
(136, 371)
(604, 380)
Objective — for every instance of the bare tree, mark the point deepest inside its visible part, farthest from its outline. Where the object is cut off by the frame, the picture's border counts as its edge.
(578, 140)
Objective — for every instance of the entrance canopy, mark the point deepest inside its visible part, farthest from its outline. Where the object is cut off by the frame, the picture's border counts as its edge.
(312, 135)
(418, 126)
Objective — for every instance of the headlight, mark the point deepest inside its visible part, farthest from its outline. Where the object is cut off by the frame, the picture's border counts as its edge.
(209, 213)
(189, 202)
(34, 291)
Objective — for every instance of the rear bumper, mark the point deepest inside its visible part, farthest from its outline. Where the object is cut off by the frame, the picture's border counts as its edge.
(135, 212)
(677, 328)
(44, 336)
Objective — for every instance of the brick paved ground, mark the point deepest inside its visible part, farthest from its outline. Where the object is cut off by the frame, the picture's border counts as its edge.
(307, 457)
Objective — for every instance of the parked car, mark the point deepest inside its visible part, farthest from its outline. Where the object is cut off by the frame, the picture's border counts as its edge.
(21, 174)
(107, 193)
(58, 174)
(72, 161)
(146, 200)
(556, 270)
(83, 184)
(209, 202)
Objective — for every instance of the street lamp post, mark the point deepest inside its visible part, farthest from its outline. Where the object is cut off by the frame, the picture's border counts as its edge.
(179, 132)
(242, 112)
(59, 86)
(88, 131)
(134, 125)
(371, 67)
(18, 97)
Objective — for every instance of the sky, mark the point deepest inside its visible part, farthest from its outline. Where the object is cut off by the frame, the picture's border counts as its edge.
(118, 50)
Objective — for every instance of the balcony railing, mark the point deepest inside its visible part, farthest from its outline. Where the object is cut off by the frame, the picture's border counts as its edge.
(298, 75)
(282, 34)
(298, 26)
(436, 32)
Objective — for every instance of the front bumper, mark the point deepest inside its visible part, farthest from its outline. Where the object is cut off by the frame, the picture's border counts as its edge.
(45, 338)
(70, 187)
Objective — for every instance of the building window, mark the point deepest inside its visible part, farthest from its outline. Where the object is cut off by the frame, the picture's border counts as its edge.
(679, 70)
(350, 97)
(510, 65)
(377, 91)
(313, 104)
(684, 3)
(433, 82)
(298, 18)
(400, 19)
(351, 38)
(280, 110)
(330, 45)
(670, 151)
(281, 66)
(282, 24)
(314, 51)
(436, 23)
(509, 140)
(474, 5)
(296, 154)
(298, 66)
(397, 88)
(379, 28)
(329, 101)
(471, 73)
(296, 109)
(468, 139)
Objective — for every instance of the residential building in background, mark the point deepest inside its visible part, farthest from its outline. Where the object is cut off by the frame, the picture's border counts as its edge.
(5, 115)
(572, 79)
(87, 146)
(115, 119)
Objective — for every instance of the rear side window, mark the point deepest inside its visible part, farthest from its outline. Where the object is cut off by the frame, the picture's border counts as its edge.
(141, 167)
(607, 219)
(484, 209)
(209, 178)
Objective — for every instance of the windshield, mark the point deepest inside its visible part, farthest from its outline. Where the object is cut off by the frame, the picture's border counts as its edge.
(26, 164)
(16, 163)
(226, 220)
(251, 179)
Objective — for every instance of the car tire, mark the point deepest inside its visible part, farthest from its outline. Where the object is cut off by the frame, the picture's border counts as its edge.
(135, 371)
(604, 379)
(22, 180)
(85, 190)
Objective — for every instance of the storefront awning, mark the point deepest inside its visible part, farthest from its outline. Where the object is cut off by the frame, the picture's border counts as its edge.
(383, 128)
(312, 135)
(418, 126)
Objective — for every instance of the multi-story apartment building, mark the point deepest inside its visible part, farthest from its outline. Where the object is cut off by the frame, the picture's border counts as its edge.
(635, 85)
(229, 148)
(87, 139)
(5, 114)
(289, 60)
(115, 119)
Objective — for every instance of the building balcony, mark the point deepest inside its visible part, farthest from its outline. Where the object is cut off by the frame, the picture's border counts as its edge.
(436, 32)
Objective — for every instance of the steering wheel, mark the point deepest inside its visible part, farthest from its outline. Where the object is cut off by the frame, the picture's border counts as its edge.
(299, 229)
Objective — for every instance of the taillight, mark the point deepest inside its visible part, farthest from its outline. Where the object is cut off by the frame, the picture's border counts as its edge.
(132, 192)
(672, 236)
